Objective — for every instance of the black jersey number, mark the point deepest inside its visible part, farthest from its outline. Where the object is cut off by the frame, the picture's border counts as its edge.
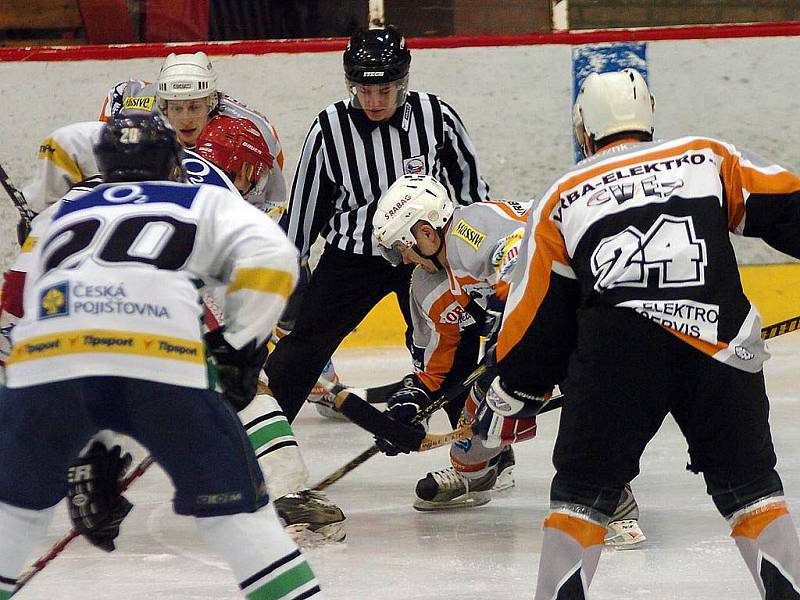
(158, 240)
(670, 247)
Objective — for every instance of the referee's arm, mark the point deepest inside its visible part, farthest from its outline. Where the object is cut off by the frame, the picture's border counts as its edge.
(312, 194)
(460, 160)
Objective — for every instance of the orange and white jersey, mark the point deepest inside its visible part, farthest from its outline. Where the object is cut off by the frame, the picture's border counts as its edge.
(645, 226)
(113, 288)
(482, 242)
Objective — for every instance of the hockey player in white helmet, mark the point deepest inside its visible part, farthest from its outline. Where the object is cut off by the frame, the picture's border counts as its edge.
(622, 262)
(188, 95)
(465, 255)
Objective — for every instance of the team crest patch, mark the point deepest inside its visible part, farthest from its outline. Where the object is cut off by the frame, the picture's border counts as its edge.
(469, 234)
(415, 165)
(54, 301)
(139, 103)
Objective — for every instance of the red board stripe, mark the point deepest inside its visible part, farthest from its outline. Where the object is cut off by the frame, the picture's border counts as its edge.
(124, 51)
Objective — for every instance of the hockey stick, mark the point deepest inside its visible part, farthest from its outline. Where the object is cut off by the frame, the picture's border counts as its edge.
(776, 329)
(448, 396)
(767, 332)
(59, 546)
(16, 197)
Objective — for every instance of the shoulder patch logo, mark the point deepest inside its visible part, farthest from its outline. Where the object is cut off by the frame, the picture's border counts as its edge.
(54, 301)
(469, 234)
(415, 165)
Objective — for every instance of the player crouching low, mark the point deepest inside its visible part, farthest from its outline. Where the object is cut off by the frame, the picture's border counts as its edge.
(464, 256)
(139, 368)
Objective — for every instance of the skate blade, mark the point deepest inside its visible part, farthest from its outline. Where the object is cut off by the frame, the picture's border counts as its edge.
(474, 500)
(505, 481)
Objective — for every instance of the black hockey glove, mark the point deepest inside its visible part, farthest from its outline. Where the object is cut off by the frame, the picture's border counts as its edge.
(238, 369)
(404, 406)
(96, 507)
(23, 229)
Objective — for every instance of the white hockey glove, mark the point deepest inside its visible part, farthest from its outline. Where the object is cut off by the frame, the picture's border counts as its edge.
(504, 416)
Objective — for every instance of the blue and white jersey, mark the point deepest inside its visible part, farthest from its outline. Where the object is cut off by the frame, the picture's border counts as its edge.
(112, 285)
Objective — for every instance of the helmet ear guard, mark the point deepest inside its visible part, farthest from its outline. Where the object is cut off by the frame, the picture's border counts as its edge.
(409, 200)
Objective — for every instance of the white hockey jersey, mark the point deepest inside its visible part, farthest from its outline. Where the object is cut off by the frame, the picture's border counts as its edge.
(113, 288)
(66, 157)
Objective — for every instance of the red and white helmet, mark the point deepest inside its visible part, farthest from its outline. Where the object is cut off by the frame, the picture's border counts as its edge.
(236, 146)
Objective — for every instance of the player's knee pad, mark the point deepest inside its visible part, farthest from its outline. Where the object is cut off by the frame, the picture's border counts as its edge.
(471, 458)
(599, 499)
(730, 498)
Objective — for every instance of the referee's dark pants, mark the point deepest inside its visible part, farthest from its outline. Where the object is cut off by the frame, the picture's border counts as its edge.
(342, 290)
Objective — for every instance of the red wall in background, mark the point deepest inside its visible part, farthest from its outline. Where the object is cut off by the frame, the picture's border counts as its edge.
(176, 20)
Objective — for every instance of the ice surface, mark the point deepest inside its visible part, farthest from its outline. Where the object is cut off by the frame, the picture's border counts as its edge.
(395, 553)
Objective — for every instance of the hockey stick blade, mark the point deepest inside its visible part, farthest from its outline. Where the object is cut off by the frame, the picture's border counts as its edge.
(59, 546)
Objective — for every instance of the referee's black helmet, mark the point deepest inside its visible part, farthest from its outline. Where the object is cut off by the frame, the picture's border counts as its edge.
(376, 56)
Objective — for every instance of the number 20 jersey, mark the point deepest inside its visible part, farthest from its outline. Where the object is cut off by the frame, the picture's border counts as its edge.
(645, 227)
(113, 286)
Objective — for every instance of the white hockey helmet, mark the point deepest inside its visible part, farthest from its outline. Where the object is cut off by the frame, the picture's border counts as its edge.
(613, 102)
(409, 200)
(187, 77)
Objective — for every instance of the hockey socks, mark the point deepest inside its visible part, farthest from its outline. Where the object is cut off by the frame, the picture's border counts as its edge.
(274, 443)
(570, 552)
(266, 562)
(21, 531)
(767, 540)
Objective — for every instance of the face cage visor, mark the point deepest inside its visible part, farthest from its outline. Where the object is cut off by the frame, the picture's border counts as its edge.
(398, 86)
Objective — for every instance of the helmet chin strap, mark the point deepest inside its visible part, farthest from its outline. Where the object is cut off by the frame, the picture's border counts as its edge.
(433, 255)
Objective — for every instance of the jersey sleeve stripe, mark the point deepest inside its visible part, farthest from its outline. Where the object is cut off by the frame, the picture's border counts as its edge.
(52, 151)
(271, 281)
(545, 248)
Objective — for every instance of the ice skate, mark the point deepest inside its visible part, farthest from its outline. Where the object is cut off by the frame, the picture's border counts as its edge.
(624, 532)
(322, 398)
(448, 489)
(505, 470)
(624, 535)
(310, 518)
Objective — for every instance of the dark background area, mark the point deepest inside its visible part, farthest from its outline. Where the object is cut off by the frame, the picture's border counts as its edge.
(69, 22)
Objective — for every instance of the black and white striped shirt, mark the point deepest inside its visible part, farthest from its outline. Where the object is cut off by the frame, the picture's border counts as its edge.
(348, 161)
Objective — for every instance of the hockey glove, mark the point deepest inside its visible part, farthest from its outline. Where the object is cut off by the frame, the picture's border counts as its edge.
(404, 406)
(96, 508)
(23, 230)
(238, 369)
(505, 417)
